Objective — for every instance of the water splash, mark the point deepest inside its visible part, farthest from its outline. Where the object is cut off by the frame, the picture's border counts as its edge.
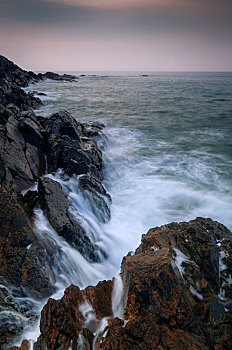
(117, 297)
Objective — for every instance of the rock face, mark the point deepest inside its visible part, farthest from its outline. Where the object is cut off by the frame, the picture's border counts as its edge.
(176, 295)
(54, 204)
(31, 146)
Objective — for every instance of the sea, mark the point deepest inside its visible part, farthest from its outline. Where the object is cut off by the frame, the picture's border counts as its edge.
(167, 157)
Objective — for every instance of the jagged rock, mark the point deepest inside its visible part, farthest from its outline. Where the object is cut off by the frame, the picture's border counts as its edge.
(97, 196)
(63, 320)
(171, 296)
(26, 260)
(10, 312)
(55, 76)
(66, 147)
(54, 203)
(24, 346)
(176, 304)
(21, 149)
(30, 200)
(93, 128)
(23, 262)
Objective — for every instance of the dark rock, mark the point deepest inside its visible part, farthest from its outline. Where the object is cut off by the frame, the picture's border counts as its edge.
(55, 76)
(30, 200)
(23, 262)
(93, 128)
(97, 196)
(55, 206)
(38, 93)
(68, 147)
(27, 259)
(21, 149)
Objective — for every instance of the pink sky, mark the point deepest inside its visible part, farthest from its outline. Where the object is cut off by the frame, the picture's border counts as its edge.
(88, 35)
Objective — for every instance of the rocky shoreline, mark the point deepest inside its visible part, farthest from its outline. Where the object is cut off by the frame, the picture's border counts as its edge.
(30, 147)
(174, 292)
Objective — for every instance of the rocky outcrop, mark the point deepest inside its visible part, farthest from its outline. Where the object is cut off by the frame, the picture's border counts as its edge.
(31, 146)
(176, 295)
(63, 320)
(69, 147)
(57, 77)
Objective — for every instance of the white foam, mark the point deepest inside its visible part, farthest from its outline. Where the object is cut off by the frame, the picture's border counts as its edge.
(195, 292)
(117, 297)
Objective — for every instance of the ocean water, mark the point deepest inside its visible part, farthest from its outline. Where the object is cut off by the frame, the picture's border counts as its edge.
(168, 157)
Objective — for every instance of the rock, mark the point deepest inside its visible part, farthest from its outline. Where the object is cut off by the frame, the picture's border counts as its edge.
(63, 320)
(55, 76)
(34, 92)
(68, 147)
(93, 128)
(24, 346)
(171, 296)
(30, 200)
(27, 257)
(11, 316)
(55, 206)
(23, 262)
(97, 196)
(21, 149)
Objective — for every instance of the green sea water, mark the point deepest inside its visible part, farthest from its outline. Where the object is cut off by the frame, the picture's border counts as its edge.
(169, 150)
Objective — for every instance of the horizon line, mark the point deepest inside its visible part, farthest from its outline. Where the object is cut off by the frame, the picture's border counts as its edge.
(141, 71)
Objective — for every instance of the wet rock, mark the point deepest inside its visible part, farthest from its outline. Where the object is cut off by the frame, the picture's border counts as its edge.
(55, 206)
(11, 317)
(63, 320)
(24, 346)
(100, 298)
(93, 128)
(34, 92)
(30, 200)
(61, 325)
(97, 196)
(20, 263)
(21, 149)
(26, 260)
(171, 296)
(68, 147)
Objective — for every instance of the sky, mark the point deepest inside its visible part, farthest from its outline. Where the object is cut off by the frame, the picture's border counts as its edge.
(123, 35)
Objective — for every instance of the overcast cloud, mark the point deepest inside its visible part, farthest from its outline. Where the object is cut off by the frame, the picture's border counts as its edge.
(117, 35)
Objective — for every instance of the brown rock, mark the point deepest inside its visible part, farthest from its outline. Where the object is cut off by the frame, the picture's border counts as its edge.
(170, 301)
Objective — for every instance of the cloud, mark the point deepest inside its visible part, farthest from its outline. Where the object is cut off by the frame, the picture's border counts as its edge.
(112, 4)
(155, 27)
